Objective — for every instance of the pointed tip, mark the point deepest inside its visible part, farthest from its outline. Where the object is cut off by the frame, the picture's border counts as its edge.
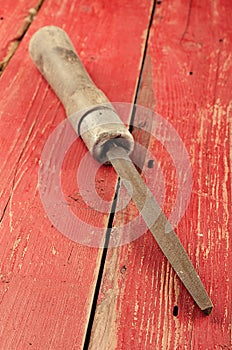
(207, 311)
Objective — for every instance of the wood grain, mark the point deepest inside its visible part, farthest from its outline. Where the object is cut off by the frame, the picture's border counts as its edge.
(142, 304)
(47, 282)
(15, 19)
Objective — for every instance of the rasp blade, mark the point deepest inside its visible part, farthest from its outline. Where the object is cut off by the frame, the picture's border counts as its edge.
(159, 226)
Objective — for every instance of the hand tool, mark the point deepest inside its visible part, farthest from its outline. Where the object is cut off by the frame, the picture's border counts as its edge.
(109, 140)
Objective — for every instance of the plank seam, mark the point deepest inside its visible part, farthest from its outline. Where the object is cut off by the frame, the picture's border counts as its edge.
(142, 64)
(112, 213)
(101, 270)
(15, 42)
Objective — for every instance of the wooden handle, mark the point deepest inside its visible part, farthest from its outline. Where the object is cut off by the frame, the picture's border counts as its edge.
(56, 58)
(92, 115)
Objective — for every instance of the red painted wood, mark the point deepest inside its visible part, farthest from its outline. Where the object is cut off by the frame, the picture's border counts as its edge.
(15, 17)
(190, 46)
(47, 281)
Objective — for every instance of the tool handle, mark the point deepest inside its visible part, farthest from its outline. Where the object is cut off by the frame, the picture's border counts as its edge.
(92, 115)
(55, 56)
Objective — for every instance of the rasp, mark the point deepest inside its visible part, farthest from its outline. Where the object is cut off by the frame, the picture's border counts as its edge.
(108, 139)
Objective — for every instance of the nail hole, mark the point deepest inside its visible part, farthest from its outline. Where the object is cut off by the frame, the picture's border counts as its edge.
(1, 18)
(220, 40)
(175, 311)
(159, 2)
(191, 73)
(123, 269)
(150, 163)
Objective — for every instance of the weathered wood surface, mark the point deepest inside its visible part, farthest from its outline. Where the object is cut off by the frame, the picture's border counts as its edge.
(47, 281)
(15, 19)
(190, 49)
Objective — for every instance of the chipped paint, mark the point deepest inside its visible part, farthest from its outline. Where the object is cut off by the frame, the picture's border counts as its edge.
(15, 246)
(54, 251)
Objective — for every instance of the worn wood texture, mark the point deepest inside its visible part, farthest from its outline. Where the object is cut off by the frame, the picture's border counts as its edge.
(47, 281)
(142, 304)
(15, 19)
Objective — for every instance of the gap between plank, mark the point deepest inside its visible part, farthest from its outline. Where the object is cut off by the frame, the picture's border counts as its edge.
(101, 270)
(13, 46)
(112, 213)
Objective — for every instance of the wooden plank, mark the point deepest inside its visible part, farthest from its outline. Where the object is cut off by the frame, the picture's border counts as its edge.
(47, 281)
(142, 304)
(15, 19)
